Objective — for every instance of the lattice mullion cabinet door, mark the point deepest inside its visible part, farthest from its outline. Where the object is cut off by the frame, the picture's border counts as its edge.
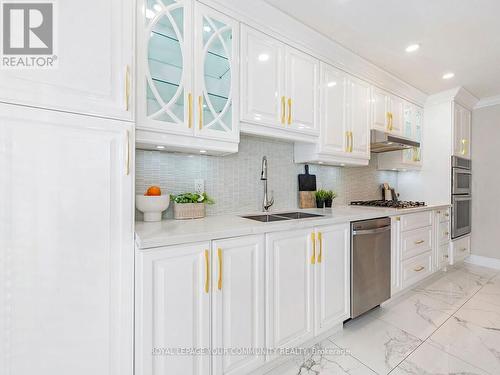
(216, 44)
(165, 65)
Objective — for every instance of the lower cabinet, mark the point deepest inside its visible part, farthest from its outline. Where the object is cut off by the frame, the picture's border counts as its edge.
(460, 249)
(250, 292)
(308, 275)
(238, 303)
(289, 273)
(173, 309)
(204, 295)
(420, 243)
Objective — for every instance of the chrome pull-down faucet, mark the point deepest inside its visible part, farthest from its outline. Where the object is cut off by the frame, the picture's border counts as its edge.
(267, 203)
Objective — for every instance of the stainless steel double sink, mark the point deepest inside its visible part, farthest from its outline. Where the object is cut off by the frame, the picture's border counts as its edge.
(267, 218)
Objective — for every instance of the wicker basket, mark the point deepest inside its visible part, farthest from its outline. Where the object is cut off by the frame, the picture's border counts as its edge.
(189, 210)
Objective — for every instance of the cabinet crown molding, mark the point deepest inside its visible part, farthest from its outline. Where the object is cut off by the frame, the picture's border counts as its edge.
(457, 94)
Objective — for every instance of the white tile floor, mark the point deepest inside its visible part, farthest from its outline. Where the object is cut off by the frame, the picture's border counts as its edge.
(448, 325)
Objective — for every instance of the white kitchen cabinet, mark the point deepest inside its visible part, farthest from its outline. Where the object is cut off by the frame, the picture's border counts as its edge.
(460, 249)
(66, 243)
(279, 88)
(461, 131)
(345, 121)
(188, 78)
(289, 277)
(358, 117)
(262, 57)
(238, 302)
(301, 88)
(173, 309)
(387, 115)
(332, 277)
(410, 159)
(94, 72)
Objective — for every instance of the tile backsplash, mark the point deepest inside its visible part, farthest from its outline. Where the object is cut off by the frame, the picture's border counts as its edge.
(234, 183)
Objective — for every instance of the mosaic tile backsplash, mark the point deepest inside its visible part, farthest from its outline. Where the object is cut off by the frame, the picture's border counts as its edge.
(234, 183)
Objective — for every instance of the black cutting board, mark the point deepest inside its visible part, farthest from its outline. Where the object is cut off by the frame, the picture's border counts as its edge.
(307, 182)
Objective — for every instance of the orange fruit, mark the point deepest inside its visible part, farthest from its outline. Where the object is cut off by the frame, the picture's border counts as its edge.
(153, 191)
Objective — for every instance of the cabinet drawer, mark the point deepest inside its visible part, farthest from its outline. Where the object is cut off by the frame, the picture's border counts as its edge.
(416, 268)
(444, 255)
(460, 249)
(444, 215)
(416, 242)
(444, 232)
(415, 221)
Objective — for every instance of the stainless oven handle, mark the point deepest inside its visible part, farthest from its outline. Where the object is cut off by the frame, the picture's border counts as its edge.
(371, 231)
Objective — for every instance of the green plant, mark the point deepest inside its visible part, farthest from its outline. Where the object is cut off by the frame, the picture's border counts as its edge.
(330, 195)
(321, 195)
(192, 198)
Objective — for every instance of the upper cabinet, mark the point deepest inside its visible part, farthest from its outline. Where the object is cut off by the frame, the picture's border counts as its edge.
(411, 159)
(344, 121)
(187, 77)
(388, 112)
(279, 88)
(93, 63)
(461, 131)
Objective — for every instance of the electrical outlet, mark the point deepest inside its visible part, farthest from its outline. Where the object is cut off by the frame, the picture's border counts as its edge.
(199, 186)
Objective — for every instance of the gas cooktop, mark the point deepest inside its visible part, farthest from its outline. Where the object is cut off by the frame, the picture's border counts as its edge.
(389, 204)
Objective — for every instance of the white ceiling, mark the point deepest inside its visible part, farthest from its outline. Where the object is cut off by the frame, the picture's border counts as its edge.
(461, 36)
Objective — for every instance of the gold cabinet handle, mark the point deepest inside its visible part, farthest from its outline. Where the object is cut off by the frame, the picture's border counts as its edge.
(219, 255)
(348, 140)
(190, 110)
(127, 154)
(389, 121)
(127, 88)
(445, 256)
(419, 242)
(320, 239)
(463, 249)
(398, 218)
(313, 239)
(446, 233)
(464, 149)
(283, 110)
(207, 271)
(351, 142)
(419, 268)
(447, 214)
(289, 111)
(200, 111)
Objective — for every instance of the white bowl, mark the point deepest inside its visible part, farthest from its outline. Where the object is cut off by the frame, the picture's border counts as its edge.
(152, 206)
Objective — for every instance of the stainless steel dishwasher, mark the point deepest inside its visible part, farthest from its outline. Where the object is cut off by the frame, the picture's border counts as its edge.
(370, 264)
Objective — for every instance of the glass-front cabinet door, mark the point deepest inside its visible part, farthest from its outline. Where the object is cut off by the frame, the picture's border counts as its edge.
(412, 128)
(165, 63)
(187, 78)
(216, 74)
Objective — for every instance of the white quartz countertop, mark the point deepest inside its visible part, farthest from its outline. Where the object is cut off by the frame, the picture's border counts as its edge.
(174, 232)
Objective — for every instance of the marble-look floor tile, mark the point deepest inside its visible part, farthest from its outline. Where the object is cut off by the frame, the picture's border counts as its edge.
(379, 345)
(477, 345)
(482, 311)
(454, 290)
(324, 359)
(427, 360)
(416, 313)
(485, 272)
(491, 288)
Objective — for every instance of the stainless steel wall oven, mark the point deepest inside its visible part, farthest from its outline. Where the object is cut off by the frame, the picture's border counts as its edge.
(461, 198)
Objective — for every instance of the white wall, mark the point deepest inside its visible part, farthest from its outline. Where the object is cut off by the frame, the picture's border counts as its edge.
(486, 182)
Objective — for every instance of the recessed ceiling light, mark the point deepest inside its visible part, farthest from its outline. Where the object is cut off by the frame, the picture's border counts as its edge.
(331, 84)
(160, 147)
(263, 57)
(449, 75)
(203, 151)
(412, 47)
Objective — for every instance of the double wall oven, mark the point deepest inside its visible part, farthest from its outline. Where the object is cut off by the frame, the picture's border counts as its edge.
(461, 198)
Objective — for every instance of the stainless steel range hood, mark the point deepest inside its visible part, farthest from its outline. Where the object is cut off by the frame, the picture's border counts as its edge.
(385, 142)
